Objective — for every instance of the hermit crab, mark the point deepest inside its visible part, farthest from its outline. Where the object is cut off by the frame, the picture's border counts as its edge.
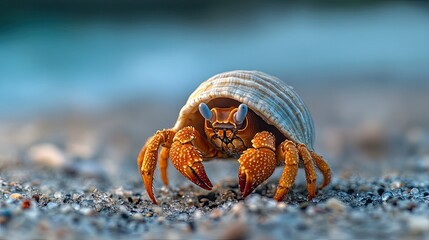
(245, 115)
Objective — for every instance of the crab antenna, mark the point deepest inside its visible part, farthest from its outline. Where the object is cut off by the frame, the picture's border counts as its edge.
(205, 111)
(241, 113)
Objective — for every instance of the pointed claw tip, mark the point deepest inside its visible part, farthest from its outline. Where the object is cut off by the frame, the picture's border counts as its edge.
(241, 181)
(151, 196)
(148, 180)
(246, 183)
(199, 177)
(154, 201)
(204, 186)
(245, 194)
(248, 189)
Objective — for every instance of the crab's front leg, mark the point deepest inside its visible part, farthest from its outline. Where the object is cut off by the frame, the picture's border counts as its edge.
(187, 152)
(149, 156)
(258, 163)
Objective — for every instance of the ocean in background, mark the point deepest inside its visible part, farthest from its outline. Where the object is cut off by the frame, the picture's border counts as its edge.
(57, 62)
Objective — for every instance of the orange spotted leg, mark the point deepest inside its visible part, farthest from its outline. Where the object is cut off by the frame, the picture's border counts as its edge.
(323, 167)
(291, 154)
(148, 157)
(163, 164)
(288, 155)
(310, 172)
(257, 163)
(187, 153)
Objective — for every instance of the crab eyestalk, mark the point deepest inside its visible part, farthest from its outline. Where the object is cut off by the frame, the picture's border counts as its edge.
(240, 115)
(205, 111)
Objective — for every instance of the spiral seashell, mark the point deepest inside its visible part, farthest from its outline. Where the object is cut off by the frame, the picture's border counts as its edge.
(271, 99)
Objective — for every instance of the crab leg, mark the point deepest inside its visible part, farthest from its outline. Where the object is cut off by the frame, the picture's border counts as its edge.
(323, 167)
(149, 155)
(310, 171)
(187, 153)
(257, 163)
(163, 164)
(288, 154)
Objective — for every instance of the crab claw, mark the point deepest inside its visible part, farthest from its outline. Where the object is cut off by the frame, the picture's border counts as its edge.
(148, 157)
(147, 170)
(257, 164)
(187, 159)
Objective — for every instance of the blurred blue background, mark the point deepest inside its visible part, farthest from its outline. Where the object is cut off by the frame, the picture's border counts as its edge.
(105, 75)
(89, 55)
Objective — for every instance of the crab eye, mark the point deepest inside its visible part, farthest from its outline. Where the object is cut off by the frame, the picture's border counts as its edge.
(205, 111)
(241, 113)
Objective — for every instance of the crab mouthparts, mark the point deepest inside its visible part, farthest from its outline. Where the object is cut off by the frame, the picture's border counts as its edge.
(225, 134)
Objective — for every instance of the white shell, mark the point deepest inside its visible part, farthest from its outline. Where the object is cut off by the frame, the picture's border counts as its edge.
(270, 98)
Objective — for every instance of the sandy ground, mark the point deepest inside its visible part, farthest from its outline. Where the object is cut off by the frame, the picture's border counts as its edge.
(71, 175)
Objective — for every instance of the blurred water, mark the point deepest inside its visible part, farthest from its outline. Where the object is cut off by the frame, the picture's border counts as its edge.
(57, 62)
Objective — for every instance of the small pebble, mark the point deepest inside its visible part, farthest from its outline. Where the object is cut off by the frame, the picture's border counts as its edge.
(396, 185)
(138, 216)
(98, 207)
(16, 196)
(237, 209)
(66, 208)
(123, 193)
(414, 191)
(57, 195)
(311, 211)
(254, 202)
(271, 204)
(123, 209)
(281, 205)
(26, 204)
(76, 196)
(47, 154)
(418, 225)
(197, 214)
(386, 196)
(336, 205)
(52, 205)
(157, 210)
(45, 190)
(87, 211)
(36, 197)
(216, 213)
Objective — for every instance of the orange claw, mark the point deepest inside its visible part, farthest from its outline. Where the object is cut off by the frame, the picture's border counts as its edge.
(146, 173)
(258, 163)
(148, 157)
(187, 159)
